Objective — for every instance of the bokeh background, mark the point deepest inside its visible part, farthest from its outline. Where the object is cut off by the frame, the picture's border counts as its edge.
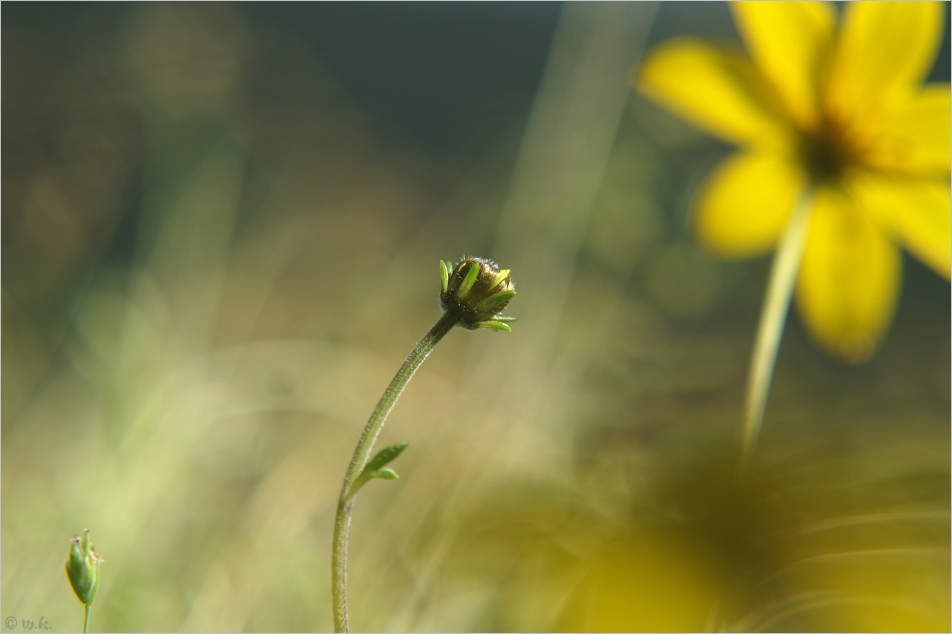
(220, 233)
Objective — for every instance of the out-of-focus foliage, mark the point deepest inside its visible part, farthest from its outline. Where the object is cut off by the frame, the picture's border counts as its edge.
(216, 251)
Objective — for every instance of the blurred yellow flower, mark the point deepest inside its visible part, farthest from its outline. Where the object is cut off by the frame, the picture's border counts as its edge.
(839, 115)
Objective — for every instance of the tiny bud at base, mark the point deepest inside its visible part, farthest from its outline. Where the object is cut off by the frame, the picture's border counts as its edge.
(82, 568)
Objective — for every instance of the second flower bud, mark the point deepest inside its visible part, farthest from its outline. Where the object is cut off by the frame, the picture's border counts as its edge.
(476, 291)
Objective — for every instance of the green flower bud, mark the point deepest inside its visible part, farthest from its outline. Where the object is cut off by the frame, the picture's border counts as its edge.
(476, 292)
(82, 568)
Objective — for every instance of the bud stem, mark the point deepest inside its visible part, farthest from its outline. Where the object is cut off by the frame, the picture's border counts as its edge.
(345, 505)
(86, 619)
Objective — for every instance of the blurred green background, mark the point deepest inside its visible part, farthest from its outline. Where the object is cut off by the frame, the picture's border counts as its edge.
(221, 228)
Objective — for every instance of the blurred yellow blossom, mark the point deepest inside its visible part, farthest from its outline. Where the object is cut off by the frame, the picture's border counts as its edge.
(841, 115)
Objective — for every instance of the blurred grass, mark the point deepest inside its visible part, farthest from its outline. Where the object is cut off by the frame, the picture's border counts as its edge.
(213, 262)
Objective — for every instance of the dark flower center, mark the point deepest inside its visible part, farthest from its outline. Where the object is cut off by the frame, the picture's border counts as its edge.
(827, 153)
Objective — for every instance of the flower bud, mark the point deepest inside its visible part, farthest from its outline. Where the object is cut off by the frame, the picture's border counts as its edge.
(476, 292)
(82, 568)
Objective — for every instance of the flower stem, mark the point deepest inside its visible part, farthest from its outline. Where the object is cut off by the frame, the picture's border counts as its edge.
(86, 618)
(783, 274)
(345, 505)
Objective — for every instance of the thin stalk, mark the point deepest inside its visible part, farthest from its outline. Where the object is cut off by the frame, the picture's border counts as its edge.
(783, 274)
(372, 429)
(86, 618)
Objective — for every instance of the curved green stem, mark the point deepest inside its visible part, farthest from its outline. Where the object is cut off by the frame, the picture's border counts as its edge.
(783, 274)
(86, 618)
(345, 505)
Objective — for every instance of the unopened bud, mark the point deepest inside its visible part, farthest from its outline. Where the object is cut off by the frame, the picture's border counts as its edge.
(476, 291)
(82, 568)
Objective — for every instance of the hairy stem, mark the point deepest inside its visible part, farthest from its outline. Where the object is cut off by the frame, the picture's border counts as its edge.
(372, 429)
(783, 274)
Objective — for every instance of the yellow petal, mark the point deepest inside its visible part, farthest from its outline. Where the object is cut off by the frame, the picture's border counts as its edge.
(717, 90)
(787, 41)
(744, 205)
(916, 212)
(914, 136)
(849, 279)
(885, 49)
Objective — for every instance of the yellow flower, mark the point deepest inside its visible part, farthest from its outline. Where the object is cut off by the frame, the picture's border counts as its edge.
(842, 114)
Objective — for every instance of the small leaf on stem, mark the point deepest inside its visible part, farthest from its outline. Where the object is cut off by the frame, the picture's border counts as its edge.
(386, 474)
(375, 468)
